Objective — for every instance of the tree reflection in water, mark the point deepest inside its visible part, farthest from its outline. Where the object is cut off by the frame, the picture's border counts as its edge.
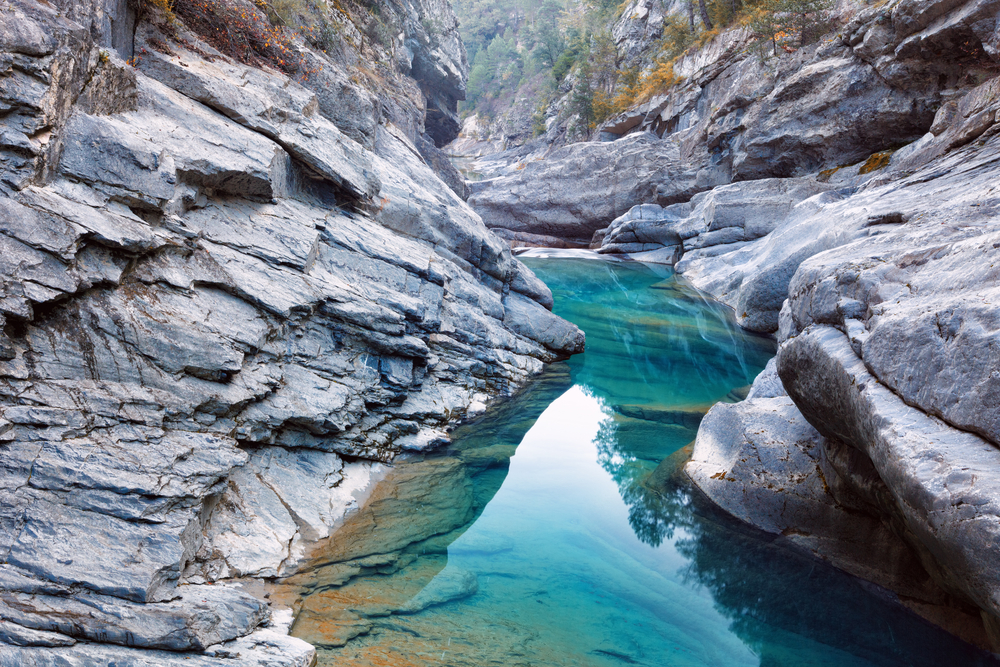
(561, 580)
(686, 353)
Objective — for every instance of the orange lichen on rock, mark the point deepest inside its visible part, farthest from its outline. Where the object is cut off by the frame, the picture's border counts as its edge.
(876, 162)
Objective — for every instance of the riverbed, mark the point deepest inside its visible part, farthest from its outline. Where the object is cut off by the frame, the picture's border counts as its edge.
(560, 530)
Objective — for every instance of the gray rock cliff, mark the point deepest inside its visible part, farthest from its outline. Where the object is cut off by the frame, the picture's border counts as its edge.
(887, 349)
(881, 296)
(875, 85)
(221, 313)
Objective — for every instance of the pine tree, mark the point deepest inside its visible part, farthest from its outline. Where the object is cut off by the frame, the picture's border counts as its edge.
(548, 39)
(772, 22)
(805, 18)
(582, 101)
(704, 15)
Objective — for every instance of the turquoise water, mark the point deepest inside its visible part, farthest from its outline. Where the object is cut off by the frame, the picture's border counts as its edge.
(560, 531)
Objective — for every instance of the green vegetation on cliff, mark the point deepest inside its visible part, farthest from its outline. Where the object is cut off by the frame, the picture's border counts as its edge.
(573, 57)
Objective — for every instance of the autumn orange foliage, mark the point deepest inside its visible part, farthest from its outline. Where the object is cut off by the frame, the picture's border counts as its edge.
(635, 89)
(658, 80)
(240, 29)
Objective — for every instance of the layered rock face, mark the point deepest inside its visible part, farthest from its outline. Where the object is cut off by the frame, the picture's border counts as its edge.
(878, 451)
(575, 191)
(875, 85)
(221, 312)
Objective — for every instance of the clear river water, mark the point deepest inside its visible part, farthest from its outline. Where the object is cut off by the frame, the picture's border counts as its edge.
(560, 530)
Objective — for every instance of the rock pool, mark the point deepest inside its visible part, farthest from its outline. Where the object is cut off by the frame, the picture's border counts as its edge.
(559, 529)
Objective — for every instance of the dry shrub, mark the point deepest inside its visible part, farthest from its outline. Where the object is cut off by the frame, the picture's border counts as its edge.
(629, 88)
(241, 30)
(677, 36)
(658, 80)
(164, 6)
(635, 88)
(604, 106)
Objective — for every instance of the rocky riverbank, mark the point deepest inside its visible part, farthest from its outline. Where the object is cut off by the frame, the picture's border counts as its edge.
(845, 199)
(225, 304)
(231, 294)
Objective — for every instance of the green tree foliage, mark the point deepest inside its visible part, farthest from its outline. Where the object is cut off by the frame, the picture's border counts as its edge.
(724, 12)
(597, 75)
(807, 20)
(582, 101)
(575, 45)
(549, 42)
(530, 48)
(603, 58)
(537, 44)
(786, 24)
(480, 21)
(510, 43)
(677, 37)
(765, 25)
(497, 67)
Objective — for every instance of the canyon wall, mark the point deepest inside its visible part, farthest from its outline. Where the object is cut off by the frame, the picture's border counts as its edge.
(875, 85)
(226, 302)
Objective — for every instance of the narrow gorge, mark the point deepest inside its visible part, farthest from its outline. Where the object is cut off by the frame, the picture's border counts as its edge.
(282, 386)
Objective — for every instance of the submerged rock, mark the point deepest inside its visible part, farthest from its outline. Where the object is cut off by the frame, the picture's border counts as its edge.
(450, 584)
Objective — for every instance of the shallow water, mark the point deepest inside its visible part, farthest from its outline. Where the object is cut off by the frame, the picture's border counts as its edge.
(559, 530)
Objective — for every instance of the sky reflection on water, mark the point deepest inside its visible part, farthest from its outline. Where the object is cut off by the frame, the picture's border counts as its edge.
(566, 534)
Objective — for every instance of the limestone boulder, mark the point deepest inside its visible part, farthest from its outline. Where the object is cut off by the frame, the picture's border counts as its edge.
(920, 316)
(761, 461)
(887, 344)
(645, 226)
(581, 188)
(726, 215)
(939, 479)
(754, 278)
